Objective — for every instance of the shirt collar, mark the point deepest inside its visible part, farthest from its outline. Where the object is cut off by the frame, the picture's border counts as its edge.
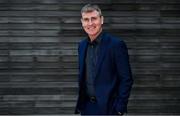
(97, 40)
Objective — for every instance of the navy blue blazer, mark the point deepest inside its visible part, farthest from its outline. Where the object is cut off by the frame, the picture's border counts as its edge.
(113, 80)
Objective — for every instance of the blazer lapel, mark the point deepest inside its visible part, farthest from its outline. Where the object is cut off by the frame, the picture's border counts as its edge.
(101, 53)
(82, 54)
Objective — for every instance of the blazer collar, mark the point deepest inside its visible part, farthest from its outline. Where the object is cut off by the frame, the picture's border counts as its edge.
(101, 52)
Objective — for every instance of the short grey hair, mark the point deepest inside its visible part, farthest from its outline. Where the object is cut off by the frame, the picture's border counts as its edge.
(90, 8)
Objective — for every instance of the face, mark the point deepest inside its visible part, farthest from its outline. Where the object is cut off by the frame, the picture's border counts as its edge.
(92, 23)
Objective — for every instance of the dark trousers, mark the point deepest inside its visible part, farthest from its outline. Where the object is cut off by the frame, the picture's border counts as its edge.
(91, 108)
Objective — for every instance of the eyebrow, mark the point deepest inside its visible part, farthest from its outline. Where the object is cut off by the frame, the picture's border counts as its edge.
(90, 17)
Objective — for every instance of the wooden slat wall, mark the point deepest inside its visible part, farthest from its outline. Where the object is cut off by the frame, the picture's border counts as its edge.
(38, 53)
(156, 58)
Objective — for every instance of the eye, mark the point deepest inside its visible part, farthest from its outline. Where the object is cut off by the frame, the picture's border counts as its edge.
(93, 18)
(85, 19)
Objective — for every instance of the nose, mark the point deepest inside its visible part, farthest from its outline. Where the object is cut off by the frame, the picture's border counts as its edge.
(90, 22)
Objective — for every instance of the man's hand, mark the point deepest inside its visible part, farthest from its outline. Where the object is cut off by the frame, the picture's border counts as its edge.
(120, 114)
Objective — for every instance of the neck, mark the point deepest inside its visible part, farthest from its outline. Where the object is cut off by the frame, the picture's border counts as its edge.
(93, 37)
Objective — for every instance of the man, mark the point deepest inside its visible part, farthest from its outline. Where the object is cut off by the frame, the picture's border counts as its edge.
(105, 77)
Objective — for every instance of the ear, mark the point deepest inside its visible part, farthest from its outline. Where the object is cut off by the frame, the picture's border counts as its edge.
(81, 20)
(102, 19)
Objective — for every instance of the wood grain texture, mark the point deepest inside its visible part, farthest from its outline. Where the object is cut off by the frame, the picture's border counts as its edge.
(38, 54)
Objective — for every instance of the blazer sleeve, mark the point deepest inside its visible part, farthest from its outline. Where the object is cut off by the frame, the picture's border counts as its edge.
(124, 76)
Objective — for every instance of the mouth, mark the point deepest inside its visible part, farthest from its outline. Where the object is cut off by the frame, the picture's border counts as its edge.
(91, 28)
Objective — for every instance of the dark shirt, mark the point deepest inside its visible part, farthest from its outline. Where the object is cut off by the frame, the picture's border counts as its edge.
(91, 60)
